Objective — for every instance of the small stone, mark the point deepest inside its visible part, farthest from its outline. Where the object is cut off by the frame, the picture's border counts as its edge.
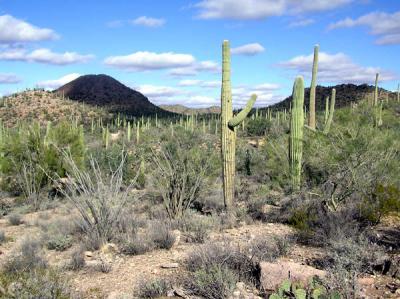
(88, 254)
(170, 266)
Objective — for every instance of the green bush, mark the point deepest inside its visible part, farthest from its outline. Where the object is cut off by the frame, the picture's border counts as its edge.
(257, 127)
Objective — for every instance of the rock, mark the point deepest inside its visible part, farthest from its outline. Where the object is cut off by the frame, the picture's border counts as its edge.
(366, 281)
(273, 274)
(88, 254)
(170, 266)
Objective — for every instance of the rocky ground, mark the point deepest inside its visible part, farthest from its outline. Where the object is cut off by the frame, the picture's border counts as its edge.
(125, 273)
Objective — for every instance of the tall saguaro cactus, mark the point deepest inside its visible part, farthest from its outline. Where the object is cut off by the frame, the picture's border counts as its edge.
(228, 124)
(313, 88)
(296, 133)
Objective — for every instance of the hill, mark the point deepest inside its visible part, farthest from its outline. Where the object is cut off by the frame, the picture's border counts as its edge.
(345, 95)
(42, 106)
(180, 109)
(105, 91)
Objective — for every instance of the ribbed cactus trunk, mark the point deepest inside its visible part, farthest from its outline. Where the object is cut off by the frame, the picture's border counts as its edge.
(331, 111)
(313, 87)
(376, 90)
(296, 133)
(228, 124)
(398, 92)
(326, 110)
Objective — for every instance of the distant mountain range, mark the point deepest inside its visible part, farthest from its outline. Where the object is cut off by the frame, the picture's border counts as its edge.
(345, 95)
(104, 91)
(180, 109)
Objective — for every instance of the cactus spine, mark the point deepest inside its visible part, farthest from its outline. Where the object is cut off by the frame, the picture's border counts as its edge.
(331, 111)
(296, 133)
(313, 87)
(228, 124)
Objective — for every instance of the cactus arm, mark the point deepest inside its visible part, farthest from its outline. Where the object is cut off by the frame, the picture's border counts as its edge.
(237, 119)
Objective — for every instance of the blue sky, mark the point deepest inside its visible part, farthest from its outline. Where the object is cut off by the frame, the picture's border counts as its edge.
(170, 50)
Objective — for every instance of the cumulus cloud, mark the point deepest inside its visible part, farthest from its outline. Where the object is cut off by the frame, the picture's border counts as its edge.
(189, 82)
(336, 68)
(199, 83)
(148, 22)
(266, 94)
(44, 56)
(13, 30)
(195, 68)
(248, 50)
(9, 78)
(54, 84)
(145, 61)
(385, 26)
(258, 9)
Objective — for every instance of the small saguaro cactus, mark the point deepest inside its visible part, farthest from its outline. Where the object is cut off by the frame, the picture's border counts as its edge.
(313, 88)
(296, 133)
(326, 110)
(376, 90)
(228, 124)
(331, 111)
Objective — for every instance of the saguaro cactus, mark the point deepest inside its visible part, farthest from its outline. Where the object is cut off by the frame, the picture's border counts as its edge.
(331, 111)
(296, 133)
(326, 110)
(313, 88)
(228, 124)
(376, 90)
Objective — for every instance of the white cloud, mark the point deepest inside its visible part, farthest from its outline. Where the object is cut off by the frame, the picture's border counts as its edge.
(148, 22)
(13, 30)
(54, 84)
(44, 56)
(265, 95)
(301, 23)
(384, 25)
(189, 82)
(9, 79)
(248, 50)
(336, 68)
(195, 68)
(258, 9)
(145, 61)
(159, 94)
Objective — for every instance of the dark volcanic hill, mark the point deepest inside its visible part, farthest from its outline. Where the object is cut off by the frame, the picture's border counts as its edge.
(105, 91)
(345, 94)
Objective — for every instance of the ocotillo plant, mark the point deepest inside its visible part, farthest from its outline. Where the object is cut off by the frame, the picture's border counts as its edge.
(296, 133)
(313, 87)
(331, 111)
(228, 124)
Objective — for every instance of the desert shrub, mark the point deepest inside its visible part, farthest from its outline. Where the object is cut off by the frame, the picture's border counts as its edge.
(257, 127)
(269, 249)
(224, 256)
(348, 258)
(196, 227)
(162, 235)
(99, 198)
(58, 242)
(181, 172)
(137, 245)
(28, 157)
(384, 200)
(77, 259)
(215, 282)
(153, 288)
(15, 219)
(28, 256)
(35, 283)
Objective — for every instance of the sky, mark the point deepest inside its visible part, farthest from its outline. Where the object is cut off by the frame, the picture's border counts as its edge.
(170, 50)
